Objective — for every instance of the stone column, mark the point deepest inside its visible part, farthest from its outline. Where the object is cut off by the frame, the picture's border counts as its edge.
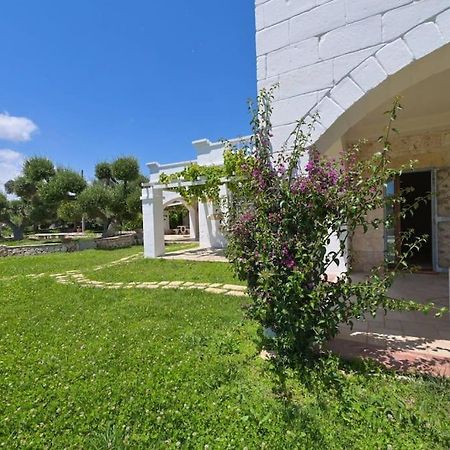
(153, 218)
(210, 216)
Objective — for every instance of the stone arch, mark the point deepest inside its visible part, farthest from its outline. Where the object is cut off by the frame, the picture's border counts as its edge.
(193, 213)
(396, 67)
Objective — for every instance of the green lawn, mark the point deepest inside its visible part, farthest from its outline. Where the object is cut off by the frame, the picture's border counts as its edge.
(11, 243)
(178, 246)
(90, 368)
(167, 270)
(58, 262)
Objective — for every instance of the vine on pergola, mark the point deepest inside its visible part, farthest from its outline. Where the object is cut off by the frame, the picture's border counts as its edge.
(209, 177)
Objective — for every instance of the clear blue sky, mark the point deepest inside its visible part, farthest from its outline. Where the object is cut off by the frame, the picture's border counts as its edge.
(142, 77)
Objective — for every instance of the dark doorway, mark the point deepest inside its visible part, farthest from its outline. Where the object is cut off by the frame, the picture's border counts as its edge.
(415, 187)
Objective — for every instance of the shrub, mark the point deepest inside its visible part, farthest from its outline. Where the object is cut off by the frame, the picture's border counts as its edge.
(283, 213)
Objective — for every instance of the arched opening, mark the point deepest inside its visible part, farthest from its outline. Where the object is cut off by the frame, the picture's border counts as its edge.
(176, 220)
(424, 127)
(412, 77)
(180, 221)
(424, 136)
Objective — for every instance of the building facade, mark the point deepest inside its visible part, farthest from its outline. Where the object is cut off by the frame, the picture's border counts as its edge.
(346, 60)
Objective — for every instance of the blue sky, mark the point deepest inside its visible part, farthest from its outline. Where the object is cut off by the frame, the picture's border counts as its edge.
(100, 79)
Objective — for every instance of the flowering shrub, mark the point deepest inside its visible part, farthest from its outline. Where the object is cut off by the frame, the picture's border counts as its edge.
(283, 214)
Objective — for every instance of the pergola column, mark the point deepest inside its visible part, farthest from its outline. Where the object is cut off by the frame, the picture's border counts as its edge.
(153, 221)
(193, 221)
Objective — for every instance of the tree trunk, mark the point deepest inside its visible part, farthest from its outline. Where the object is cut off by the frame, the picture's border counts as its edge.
(17, 232)
(108, 228)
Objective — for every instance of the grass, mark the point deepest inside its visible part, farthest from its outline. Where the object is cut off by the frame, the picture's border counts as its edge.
(92, 368)
(179, 246)
(58, 262)
(167, 270)
(11, 243)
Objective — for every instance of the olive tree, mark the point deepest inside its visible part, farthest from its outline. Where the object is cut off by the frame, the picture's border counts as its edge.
(113, 198)
(37, 194)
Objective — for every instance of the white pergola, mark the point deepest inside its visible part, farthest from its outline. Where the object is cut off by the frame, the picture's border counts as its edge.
(210, 235)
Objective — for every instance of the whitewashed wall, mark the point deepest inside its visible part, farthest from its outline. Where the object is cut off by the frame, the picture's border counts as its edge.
(327, 54)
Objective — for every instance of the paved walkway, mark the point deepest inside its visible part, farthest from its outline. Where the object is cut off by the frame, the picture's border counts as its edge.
(404, 340)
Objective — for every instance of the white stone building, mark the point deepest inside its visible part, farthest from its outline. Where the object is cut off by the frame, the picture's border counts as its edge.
(346, 60)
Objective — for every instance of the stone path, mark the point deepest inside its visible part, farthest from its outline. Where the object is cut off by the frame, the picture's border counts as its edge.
(120, 261)
(75, 277)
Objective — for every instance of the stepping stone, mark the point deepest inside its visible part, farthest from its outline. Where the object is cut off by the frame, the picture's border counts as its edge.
(234, 287)
(215, 285)
(148, 286)
(215, 290)
(236, 293)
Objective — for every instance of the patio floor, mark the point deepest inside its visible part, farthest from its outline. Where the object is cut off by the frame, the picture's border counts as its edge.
(198, 254)
(404, 340)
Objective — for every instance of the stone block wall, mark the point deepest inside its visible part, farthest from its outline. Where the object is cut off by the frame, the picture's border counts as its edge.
(31, 250)
(327, 54)
(443, 210)
(121, 241)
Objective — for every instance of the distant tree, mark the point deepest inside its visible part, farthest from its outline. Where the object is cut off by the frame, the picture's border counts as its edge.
(114, 197)
(4, 204)
(38, 193)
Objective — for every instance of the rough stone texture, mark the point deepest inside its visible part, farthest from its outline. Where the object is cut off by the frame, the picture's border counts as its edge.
(346, 93)
(29, 250)
(369, 74)
(121, 241)
(309, 47)
(444, 244)
(432, 150)
(443, 192)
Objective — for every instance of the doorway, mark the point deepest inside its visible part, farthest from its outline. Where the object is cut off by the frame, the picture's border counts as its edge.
(416, 188)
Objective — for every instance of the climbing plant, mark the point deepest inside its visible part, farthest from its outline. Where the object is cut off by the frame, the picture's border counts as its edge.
(206, 180)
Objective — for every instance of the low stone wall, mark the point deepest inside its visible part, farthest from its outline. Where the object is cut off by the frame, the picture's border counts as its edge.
(30, 250)
(121, 241)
